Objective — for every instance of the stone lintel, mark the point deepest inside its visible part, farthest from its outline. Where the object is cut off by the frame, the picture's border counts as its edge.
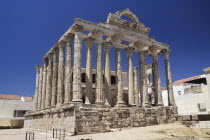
(128, 36)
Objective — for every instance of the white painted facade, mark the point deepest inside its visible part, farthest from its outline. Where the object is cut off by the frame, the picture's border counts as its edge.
(8, 107)
(189, 102)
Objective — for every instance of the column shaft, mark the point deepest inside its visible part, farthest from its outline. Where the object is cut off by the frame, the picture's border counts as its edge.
(77, 89)
(156, 78)
(171, 101)
(107, 74)
(99, 76)
(142, 69)
(130, 79)
(136, 89)
(40, 87)
(44, 83)
(55, 77)
(88, 78)
(60, 93)
(37, 86)
(119, 78)
(49, 82)
(68, 71)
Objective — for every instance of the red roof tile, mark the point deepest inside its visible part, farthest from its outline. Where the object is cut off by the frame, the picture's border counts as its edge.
(27, 99)
(180, 82)
(163, 88)
(9, 97)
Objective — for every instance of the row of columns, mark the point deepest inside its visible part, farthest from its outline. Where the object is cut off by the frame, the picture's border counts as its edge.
(53, 85)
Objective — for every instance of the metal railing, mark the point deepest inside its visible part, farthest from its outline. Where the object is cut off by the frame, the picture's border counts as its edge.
(29, 135)
(59, 133)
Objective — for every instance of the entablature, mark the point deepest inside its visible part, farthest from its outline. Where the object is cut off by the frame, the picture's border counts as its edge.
(129, 31)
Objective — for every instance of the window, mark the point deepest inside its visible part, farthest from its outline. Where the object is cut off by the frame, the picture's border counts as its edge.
(19, 113)
(201, 107)
(83, 78)
(113, 79)
(94, 78)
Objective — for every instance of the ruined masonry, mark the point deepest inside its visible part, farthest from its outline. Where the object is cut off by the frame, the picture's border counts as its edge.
(91, 100)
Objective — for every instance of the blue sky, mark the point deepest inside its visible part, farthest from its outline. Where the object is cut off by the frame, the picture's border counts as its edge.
(29, 28)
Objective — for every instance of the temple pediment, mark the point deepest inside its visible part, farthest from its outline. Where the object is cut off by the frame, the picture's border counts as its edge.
(135, 25)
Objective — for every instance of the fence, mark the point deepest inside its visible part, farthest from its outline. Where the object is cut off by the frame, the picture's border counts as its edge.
(29, 135)
(59, 133)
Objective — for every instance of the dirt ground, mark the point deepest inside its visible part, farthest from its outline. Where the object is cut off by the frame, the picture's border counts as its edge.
(174, 131)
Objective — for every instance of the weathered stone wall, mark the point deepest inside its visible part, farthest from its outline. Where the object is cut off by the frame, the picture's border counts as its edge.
(83, 120)
(48, 121)
(103, 119)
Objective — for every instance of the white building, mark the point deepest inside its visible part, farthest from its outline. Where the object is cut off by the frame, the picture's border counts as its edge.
(191, 95)
(13, 109)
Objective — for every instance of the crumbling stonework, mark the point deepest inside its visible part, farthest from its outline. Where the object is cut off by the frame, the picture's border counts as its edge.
(82, 120)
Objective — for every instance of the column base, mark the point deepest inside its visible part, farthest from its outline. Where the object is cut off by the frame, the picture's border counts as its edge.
(172, 104)
(77, 101)
(120, 102)
(147, 105)
(58, 105)
(160, 104)
(87, 103)
(120, 106)
(100, 103)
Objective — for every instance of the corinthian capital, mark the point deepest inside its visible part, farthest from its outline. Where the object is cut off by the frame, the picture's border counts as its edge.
(61, 44)
(89, 41)
(39, 68)
(107, 45)
(129, 50)
(116, 38)
(154, 50)
(96, 33)
(77, 28)
(145, 53)
(45, 60)
(69, 37)
(55, 50)
(50, 56)
(165, 52)
(139, 46)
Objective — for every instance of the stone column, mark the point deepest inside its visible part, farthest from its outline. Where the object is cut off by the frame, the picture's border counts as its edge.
(68, 69)
(88, 79)
(107, 74)
(77, 86)
(129, 52)
(40, 86)
(49, 82)
(44, 82)
(142, 70)
(55, 77)
(136, 89)
(60, 92)
(156, 76)
(37, 86)
(99, 72)
(171, 101)
(119, 83)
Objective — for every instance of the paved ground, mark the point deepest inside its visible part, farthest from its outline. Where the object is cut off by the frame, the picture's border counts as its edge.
(168, 131)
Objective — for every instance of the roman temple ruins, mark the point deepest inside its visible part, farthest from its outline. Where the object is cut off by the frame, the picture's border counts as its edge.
(96, 99)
